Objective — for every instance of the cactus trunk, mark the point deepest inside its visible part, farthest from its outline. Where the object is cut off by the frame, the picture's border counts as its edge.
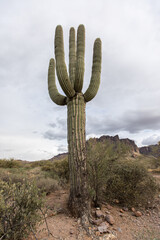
(78, 200)
(75, 100)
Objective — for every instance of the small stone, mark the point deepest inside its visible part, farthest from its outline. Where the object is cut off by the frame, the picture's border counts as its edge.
(103, 227)
(125, 209)
(79, 221)
(99, 213)
(107, 212)
(71, 231)
(138, 214)
(121, 210)
(121, 215)
(97, 233)
(116, 201)
(108, 237)
(109, 219)
(119, 229)
(133, 209)
(97, 222)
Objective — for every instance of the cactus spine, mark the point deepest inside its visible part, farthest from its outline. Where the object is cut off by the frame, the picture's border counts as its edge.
(76, 102)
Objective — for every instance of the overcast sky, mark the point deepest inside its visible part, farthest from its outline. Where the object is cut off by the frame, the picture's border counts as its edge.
(32, 127)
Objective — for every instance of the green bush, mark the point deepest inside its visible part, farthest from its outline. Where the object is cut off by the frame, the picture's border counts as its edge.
(11, 163)
(58, 169)
(47, 185)
(19, 209)
(130, 183)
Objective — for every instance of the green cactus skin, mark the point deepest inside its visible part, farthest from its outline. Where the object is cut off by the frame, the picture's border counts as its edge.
(96, 72)
(72, 56)
(76, 104)
(60, 64)
(80, 58)
(53, 92)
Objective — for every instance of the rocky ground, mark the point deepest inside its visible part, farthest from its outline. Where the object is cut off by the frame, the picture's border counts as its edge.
(109, 222)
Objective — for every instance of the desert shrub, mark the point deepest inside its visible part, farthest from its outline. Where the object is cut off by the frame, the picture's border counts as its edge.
(19, 209)
(9, 163)
(47, 185)
(58, 169)
(130, 183)
(14, 178)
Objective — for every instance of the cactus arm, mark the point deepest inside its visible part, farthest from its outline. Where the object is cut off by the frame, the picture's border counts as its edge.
(72, 56)
(96, 72)
(60, 64)
(53, 92)
(80, 59)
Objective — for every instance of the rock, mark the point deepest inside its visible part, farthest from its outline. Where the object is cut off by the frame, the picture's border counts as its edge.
(125, 209)
(99, 213)
(97, 233)
(133, 209)
(109, 219)
(107, 212)
(71, 231)
(60, 210)
(121, 210)
(97, 222)
(103, 227)
(116, 201)
(108, 237)
(138, 214)
(119, 229)
(121, 215)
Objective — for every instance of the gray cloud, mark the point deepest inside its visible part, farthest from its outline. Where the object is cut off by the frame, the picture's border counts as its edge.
(154, 139)
(130, 121)
(52, 125)
(51, 135)
(62, 149)
(130, 86)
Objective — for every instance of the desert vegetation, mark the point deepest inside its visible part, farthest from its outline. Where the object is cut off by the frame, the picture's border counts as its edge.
(114, 173)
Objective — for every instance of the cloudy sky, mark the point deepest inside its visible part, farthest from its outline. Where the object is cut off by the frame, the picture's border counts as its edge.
(32, 127)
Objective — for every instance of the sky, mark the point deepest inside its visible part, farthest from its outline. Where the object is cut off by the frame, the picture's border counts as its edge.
(32, 127)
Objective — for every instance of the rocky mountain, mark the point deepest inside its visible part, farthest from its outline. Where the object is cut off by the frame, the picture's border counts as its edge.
(152, 150)
(114, 147)
(59, 157)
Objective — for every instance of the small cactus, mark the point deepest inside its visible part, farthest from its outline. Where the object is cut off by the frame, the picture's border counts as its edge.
(75, 100)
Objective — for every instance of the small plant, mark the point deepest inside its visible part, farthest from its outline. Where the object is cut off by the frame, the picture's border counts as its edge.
(19, 209)
(130, 183)
(9, 163)
(47, 185)
(58, 169)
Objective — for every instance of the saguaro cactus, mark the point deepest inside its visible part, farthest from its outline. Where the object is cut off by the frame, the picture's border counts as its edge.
(76, 101)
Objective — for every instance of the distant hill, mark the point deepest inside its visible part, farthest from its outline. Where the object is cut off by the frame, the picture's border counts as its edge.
(113, 147)
(152, 150)
(58, 157)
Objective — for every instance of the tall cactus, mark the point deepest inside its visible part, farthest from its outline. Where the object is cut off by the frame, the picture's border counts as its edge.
(76, 101)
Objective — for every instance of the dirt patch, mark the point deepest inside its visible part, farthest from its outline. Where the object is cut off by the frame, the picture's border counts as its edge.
(126, 226)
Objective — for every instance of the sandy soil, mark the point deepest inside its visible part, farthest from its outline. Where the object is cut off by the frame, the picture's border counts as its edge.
(126, 227)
